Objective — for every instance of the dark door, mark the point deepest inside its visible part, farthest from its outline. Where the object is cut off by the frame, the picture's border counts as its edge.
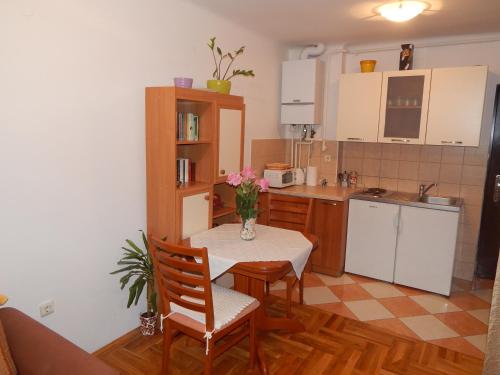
(489, 233)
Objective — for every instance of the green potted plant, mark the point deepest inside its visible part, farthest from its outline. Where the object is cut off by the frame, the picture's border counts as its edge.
(222, 82)
(137, 265)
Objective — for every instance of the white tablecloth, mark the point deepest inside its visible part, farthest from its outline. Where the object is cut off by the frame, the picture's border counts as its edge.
(226, 248)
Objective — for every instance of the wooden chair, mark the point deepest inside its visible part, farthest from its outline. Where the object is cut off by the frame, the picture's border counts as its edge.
(188, 298)
(290, 213)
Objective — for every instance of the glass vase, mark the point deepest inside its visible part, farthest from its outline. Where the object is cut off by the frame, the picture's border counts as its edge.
(247, 232)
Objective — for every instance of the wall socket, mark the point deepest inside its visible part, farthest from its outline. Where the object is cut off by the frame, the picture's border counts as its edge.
(47, 308)
(327, 158)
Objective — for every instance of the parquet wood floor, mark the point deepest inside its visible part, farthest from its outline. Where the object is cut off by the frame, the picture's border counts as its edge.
(331, 344)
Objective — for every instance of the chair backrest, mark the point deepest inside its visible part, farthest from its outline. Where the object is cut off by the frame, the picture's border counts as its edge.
(290, 212)
(178, 275)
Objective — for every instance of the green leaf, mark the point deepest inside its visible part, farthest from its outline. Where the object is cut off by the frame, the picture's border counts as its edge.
(219, 51)
(131, 296)
(211, 43)
(140, 286)
(153, 301)
(123, 269)
(135, 247)
(144, 240)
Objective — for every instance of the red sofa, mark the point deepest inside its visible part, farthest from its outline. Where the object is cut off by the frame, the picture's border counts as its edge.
(37, 350)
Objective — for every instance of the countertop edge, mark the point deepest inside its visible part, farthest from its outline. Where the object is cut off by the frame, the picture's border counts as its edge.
(454, 208)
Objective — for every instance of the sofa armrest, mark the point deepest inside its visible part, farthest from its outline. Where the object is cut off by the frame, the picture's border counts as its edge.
(38, 350)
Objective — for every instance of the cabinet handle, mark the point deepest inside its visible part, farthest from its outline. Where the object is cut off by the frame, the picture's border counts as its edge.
(372, 206)
(451, 142)
(296, 100)
(222, 171)
(400, 140)
(329, 203)
(354, 139)
(207, 197)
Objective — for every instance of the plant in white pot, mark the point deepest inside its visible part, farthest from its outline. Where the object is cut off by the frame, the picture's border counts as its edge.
(138, 267)
(222, 82)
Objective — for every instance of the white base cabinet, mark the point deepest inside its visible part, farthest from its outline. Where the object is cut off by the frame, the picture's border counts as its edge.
(425, 252)
(407, 245)
(371, 239)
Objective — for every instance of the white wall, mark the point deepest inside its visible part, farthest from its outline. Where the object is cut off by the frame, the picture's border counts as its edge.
(72, 154)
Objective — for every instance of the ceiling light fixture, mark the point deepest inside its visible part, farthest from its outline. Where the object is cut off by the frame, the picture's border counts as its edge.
(401, 11)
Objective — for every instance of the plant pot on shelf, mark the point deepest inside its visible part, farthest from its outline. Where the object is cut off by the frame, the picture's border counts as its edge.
(219, 85)
(148, 323)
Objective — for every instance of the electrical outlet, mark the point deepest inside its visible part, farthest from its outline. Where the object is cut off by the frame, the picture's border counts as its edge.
(328, 158)
(47, 308)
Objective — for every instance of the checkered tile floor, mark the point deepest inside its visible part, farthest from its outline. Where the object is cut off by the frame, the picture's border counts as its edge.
(459, 322)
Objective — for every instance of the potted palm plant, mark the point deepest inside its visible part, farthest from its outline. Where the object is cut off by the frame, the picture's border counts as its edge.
(137, 265)
(221, 82)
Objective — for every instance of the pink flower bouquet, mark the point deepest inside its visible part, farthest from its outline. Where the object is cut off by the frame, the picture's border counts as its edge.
(248, 188)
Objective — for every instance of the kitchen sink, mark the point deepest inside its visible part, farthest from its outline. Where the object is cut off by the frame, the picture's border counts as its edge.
(444, 201)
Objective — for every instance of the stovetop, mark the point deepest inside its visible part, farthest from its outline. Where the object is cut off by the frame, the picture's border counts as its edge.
(376, 192)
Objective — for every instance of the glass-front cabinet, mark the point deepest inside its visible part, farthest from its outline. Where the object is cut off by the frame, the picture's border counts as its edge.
(403, 109)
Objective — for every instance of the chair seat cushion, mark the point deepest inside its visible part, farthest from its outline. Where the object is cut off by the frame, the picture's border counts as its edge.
(229, 305)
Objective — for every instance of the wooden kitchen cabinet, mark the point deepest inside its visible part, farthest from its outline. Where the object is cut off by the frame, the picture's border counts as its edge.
(403, 107)
(329, 224)
(456, 106)
(358, 107)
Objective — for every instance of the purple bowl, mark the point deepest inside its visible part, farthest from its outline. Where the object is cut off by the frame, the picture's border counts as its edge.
(183, 82)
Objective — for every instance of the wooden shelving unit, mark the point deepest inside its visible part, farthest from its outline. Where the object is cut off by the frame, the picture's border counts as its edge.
(177, 210)
(223, 211)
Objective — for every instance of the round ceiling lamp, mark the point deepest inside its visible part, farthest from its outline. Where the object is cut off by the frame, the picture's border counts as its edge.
(401, 11)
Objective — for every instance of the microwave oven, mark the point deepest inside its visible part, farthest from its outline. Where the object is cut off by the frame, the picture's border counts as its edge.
(279, 178)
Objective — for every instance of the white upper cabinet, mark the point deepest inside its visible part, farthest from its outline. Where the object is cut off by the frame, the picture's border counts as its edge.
(302, 83)
(358, 107)
(404, 105)
(456, 106)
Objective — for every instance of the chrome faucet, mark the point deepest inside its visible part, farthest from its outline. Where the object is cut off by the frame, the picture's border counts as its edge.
(422, 189)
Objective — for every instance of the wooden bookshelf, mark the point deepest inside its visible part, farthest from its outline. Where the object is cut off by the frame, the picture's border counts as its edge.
(177, 210)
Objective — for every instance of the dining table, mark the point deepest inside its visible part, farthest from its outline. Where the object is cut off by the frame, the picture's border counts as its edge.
(274, 253)
(227, 251)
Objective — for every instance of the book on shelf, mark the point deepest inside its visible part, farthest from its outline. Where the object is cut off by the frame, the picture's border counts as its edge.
(188, 128)
(186, 170)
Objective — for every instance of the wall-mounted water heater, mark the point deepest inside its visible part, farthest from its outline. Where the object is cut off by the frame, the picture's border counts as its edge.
(302, 83)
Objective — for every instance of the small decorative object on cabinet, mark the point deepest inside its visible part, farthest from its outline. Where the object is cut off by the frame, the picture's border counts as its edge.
(367, 66)
(406, 57)
(137, 263)
(183, 82)
(221, 82)
(247, 194)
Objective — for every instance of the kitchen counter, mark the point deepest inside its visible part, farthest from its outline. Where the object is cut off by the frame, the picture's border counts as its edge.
(333, 193)
(409, 199)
